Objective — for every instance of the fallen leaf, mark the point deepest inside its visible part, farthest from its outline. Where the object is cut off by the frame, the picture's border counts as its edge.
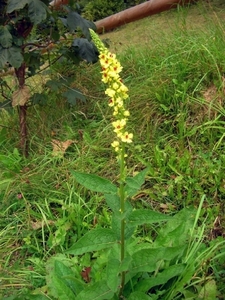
(59, 147)
(21, 96)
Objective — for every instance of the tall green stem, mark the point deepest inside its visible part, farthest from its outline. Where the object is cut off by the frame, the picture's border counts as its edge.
(122, 211)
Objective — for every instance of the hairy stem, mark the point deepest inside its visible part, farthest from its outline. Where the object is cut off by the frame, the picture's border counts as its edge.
(122, 211)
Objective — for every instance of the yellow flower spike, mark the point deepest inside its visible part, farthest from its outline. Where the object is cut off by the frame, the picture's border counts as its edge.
(117, 92)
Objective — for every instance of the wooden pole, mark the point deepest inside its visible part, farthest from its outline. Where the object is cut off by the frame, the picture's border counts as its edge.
(135, 13)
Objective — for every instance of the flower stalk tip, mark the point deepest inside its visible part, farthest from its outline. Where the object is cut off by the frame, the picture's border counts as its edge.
(116, 90)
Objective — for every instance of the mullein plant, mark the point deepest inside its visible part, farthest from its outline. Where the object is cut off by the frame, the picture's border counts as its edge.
(124, 265)
(118, 95)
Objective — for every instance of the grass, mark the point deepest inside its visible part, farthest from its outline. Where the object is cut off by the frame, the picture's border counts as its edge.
(174, 67)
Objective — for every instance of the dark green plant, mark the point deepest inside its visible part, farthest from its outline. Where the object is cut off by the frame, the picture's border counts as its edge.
(26, 28)
(99, 9)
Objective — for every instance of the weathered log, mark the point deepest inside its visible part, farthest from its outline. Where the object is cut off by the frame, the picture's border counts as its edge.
(138, 12)
(135, 13)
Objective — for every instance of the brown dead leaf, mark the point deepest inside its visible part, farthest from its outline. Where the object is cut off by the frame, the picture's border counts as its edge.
(59, 147)
(39, 224)
(21, 96)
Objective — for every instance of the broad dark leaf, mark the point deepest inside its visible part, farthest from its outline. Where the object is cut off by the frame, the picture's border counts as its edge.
(75, 21)
(15, 5)
(37, 11)
(15, 58)
(85, 50)
(3, 57)
(5, 37)
(40, 99)
(73, 95)
(7, 104)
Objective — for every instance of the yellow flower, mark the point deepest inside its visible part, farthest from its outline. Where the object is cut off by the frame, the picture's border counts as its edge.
(110, 92)
(119, 125)
(127, 137)
(115, 145)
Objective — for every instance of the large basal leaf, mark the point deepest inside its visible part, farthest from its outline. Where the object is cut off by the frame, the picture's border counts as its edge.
(73, 95)
(60, 288)
(112, 274)
(5, 37)
(97, 291)
(146, 216)
(75, 21)
(177, 230)
(37, 11)
(146, 260)
(3, 57)
(161, 278)
(133, 184)
(94, 183)
(15, 58)
(94, 240)
(85, 50)
(16, 5)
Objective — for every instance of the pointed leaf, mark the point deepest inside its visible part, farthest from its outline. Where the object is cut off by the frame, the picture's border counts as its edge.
(94, 240)
(85, 50)
(145, 216)
(75, 21)
(37, 11)
(73, 95)
(133, 184)
(5, 37)
(139, 295)
(112, 274)
(61, 290)
(16, 5)
(161, 278)
(97, 291)
(3, 57)
(94, 182)
(146, 260)
(62, 271)
(15, 58)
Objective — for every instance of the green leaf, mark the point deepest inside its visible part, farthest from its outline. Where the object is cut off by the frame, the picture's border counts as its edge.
(133, 184)
(15, 58)
(37, 11)
(146, 216)
(73, 95)
(3, 57)
(94, 240)
(85, 50)
(62, 271)
(16, 5)
(7, 105)
(146, 260)
(61, 290)
(139, 296)
(177, 230)
(161, 278)
(208, 291)
(75, 21)
(97, 291)
(94, 182)
(5, 37)
(112, 273)
(116, 225)
(113, 201)
(38, 98)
